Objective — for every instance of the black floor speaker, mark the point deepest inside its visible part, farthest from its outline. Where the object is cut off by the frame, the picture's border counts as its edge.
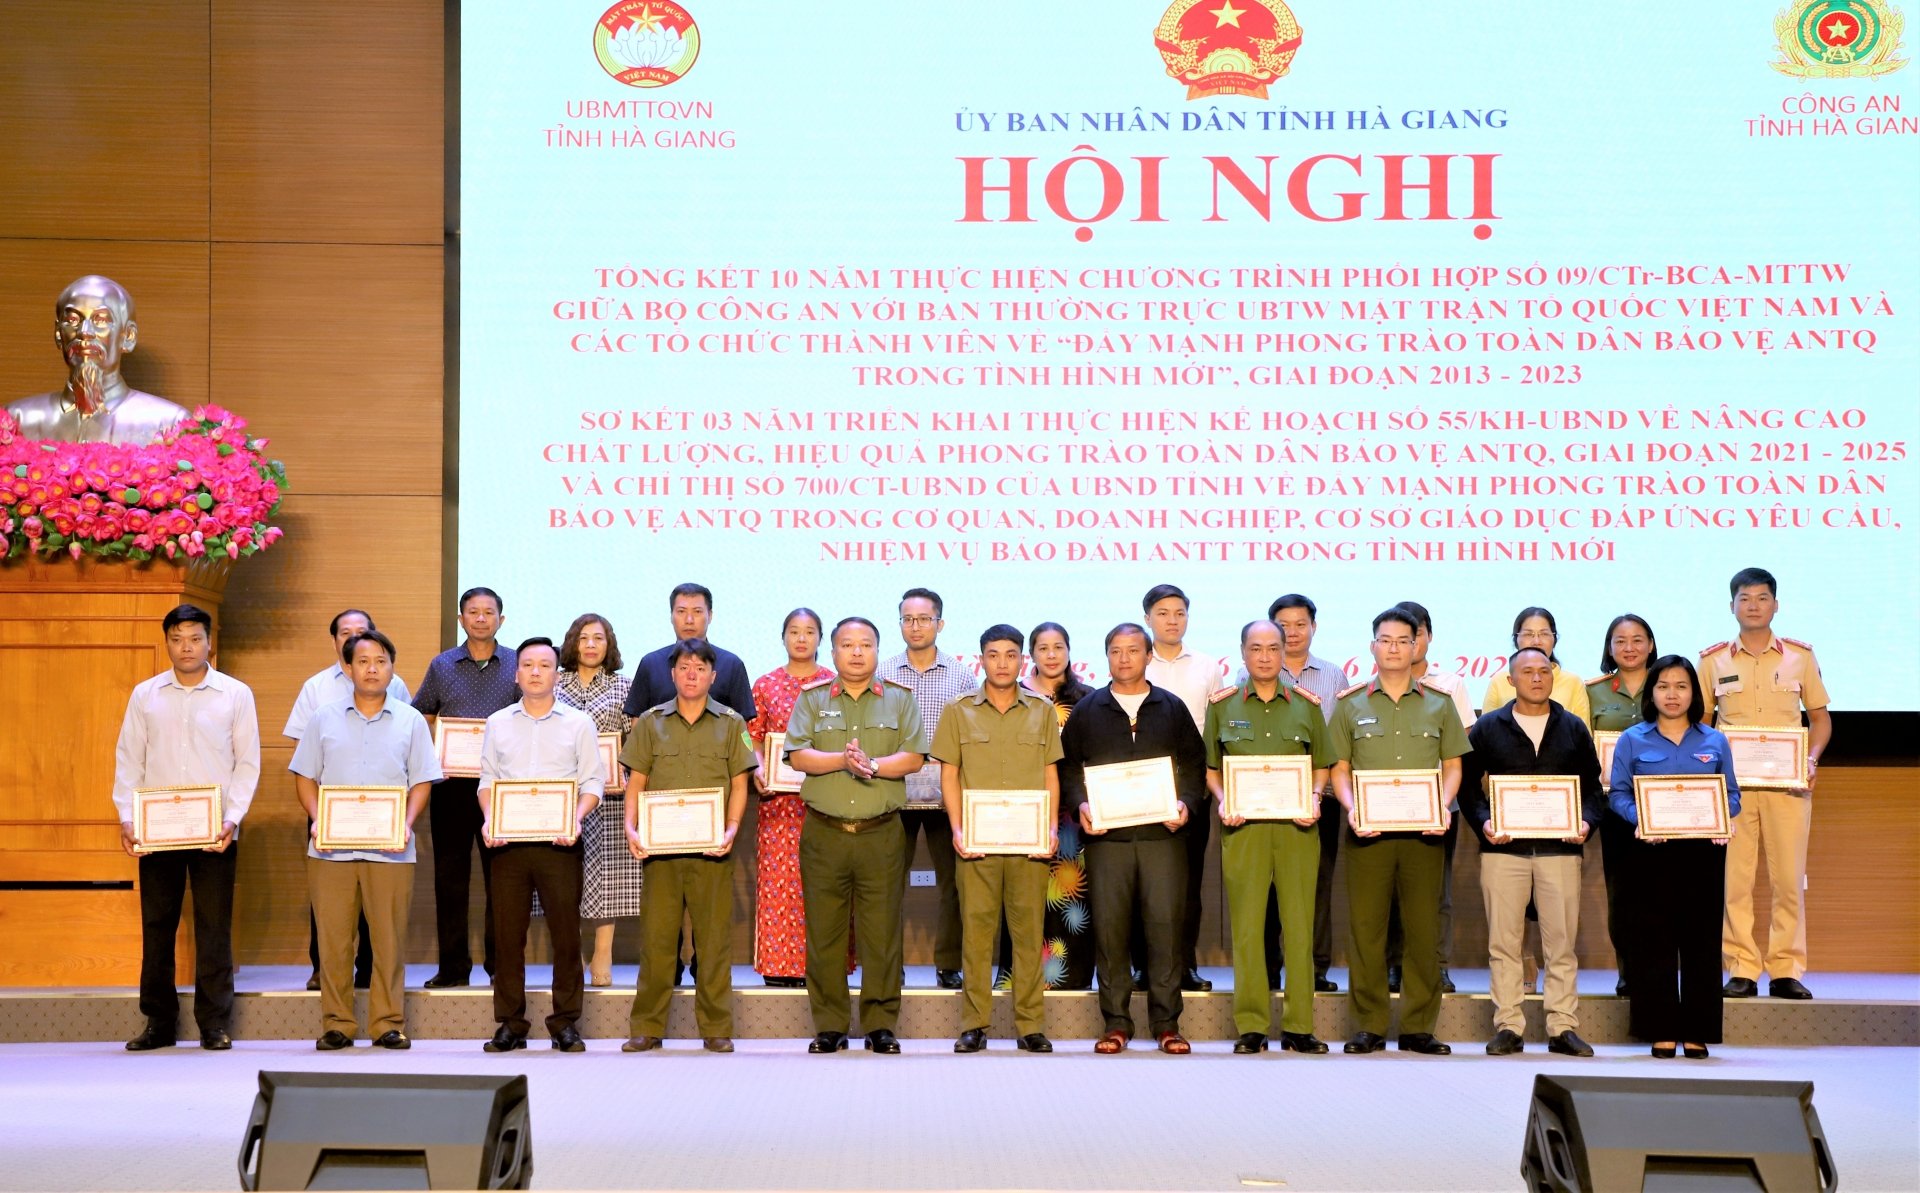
(1674, 1136)
(376, 1131)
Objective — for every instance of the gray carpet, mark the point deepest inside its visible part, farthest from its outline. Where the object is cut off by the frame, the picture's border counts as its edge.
(90, 1116)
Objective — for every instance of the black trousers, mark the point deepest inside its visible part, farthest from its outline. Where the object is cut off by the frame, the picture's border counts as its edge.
(1198, 832)
(453, 813)
(1332, 822)
(1143, 883)
(554, 872)
(163, 888)
(1676, 900)
(362, 955)
(1616, 851)
(939, 833)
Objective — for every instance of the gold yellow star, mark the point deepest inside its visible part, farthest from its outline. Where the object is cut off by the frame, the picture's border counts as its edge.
(1838, 30)
(1227, 14)
(645, 19)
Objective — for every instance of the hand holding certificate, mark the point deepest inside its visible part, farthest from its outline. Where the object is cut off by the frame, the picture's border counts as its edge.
(532, 810)
(1769, 757)
(1397, 801)
(1676, 807)
(456, 742)
(1013, 823)
(1125, 794)
(1267, 787)
(167, 818)
(777, 777)
(369, 818)
(686, 821)
(1535, 806)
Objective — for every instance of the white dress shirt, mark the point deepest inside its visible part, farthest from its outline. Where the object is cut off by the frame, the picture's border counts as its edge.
(331, 687)
(1192, 676)
(174, 736)
(563, 744)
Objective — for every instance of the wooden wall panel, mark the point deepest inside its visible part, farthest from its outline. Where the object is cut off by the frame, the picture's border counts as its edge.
(104, 122)
(168, 281)
(335, 351)
(328, 121)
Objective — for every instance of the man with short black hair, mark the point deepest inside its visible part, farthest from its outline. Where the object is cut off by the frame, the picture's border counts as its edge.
(472, 681)
(936, 679)
(691, 608)
(189, 726)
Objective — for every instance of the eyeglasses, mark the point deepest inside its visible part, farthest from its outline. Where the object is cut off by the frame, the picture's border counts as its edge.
(1400, 642)
(916, 621)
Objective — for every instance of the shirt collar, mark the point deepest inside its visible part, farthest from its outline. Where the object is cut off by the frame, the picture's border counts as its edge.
(1022, 696)
(1773, 645)
(1283, 692)
(386, 708)
(839, 689)
(500, 654)
(1154, 651)
(212, 679)
(519, 709)
(941, 659)
(672, 708)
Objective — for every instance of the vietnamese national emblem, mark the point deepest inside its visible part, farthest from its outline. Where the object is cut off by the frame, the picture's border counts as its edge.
(1227, 47)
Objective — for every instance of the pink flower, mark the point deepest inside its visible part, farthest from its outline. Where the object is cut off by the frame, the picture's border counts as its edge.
(143, 541)
(272, 536)
(233, 550)
(73, 549)
(168, 547)
(33, 528)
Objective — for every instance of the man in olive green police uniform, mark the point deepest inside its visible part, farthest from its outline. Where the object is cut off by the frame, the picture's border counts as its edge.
(690, 742)
(1762, 680)
(856, 738)
(1265, 717)
(1001, 738)
(1394, 723)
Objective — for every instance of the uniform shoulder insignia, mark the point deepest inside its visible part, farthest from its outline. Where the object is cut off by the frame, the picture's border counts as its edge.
(1796, 642)
(1301, 692)
(1222, 694)
(1716, 648)
(1345, 692)
(1433, 682)
(894, 683)
(818, 683)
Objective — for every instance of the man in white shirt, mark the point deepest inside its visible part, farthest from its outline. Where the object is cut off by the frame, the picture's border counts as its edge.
(1194, 678)
(189, 726)
(332, 685)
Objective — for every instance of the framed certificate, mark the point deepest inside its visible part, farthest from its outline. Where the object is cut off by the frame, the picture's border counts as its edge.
(456, 742)
(1671, 806)
(1124, 794)
(1397, 801)
(1268, 786)
(1769, 757)
(362, 818)
(1534, 805)
(610, 772)
(777, 776)
(1604, 740)
(176, 818)
(688, 821)
(531, 809)
(1010, 822)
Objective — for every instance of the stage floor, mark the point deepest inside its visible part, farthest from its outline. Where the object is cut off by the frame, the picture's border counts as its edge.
(91, 1116)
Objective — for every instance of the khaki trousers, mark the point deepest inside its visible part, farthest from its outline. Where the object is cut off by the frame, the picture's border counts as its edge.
(1507, 882)
(341, 892)
(699, 889)
(988, 887)
(1781, 821)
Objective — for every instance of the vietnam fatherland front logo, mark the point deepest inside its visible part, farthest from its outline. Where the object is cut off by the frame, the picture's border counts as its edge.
(1838, 39)
(1220, 47)
(646, 43)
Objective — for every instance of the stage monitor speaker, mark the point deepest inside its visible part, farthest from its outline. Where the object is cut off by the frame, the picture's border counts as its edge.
(1674, 1135)
(380, 1131)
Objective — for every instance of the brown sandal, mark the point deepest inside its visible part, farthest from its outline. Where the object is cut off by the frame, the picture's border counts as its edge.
(1174, 1044)
(1113, 1042)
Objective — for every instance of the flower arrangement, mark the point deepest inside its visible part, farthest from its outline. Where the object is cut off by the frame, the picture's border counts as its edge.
(202, 488)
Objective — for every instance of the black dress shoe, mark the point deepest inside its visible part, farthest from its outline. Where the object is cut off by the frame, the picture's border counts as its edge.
(971, 1040)
(445, 981)
(1505, 1043)
(1193, 983)
(505, 1040)
(215, 1041)
(1787, 988)
(1619, 987)
(828, 1042)
(1037, 1042)
(1364, 1042)
(1250, 1043)
(332, 1041)
(395, 1039)
(1304, 1042)
(151, 1036)
(1741, 988)
(947, 979)
(1694, 1051)
(1322, 984)
(883, 1042)
(779, 983)
(1424, 1044)
(1446, 983)
(1665, 1051)
(567, 1039)
(1569, 1044)
(313, 980)
(1393, 979)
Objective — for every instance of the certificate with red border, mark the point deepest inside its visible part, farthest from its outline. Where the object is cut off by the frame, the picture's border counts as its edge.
(167, 818)
(457, 742)
(372, 818)
(1604, 740)
(1005, 822)
(1539, 806)
(532, 809)
(1268, 787)
(776, 774)
(1397, 801)
(692, 820)
(1768, 756)
(1125, 794)
(611, 774)
(1675, 807)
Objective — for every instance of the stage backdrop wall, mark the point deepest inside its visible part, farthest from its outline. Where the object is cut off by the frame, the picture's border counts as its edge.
(267, 179)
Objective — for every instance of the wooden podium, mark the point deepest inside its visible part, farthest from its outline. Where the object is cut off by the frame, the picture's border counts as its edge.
(75, 637)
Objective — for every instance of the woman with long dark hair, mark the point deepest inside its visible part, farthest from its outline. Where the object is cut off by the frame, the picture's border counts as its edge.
(1676, 890)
